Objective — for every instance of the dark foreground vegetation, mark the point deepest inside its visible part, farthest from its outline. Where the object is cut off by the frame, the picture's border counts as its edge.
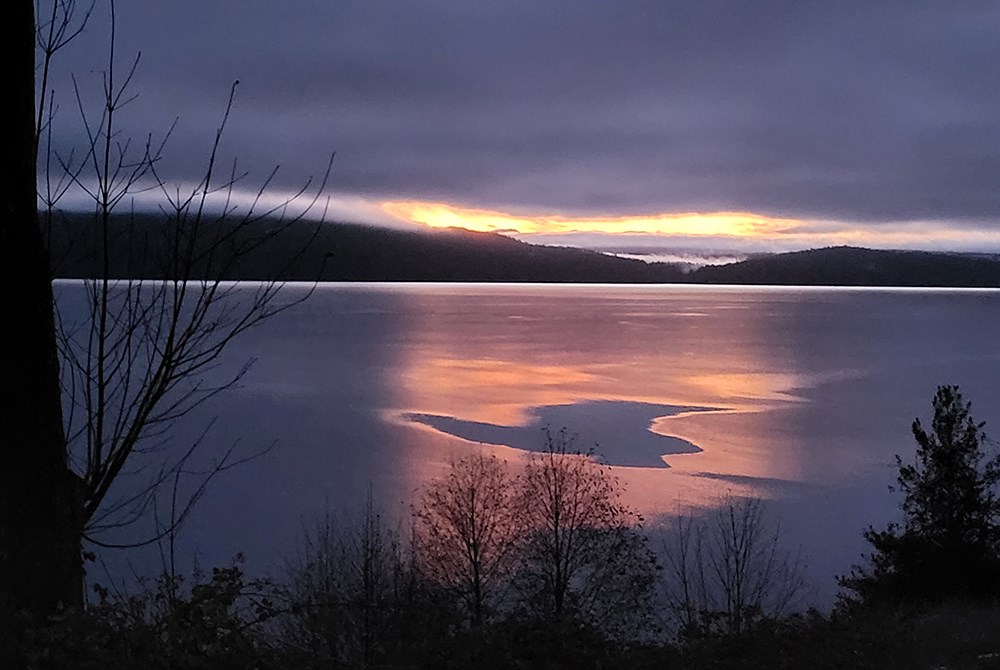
(541, 566)
(351, 252)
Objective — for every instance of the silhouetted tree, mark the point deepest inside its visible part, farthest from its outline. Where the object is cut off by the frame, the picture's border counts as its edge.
(141, 356)
(583, 558)
(467, 532)
(39, 538)
(725, 572)
(949, 541)
(355, 596)
(138, 359)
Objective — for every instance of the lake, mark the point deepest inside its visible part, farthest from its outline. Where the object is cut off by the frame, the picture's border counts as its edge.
(801, 396)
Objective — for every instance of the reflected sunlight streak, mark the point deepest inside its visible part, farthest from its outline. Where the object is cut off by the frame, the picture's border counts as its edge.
(475, 373)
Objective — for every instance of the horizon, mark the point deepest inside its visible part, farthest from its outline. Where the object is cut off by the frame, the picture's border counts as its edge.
(693, 250)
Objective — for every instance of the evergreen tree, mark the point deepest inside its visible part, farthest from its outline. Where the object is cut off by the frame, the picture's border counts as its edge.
(949, 542)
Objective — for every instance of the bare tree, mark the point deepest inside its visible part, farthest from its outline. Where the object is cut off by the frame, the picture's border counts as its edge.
(355, 595)
(145, 353)
(466, 532)
(584, 557)
(347, 588)
(726, 571)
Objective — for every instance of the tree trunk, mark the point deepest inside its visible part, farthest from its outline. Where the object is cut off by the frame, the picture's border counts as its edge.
(40, 568)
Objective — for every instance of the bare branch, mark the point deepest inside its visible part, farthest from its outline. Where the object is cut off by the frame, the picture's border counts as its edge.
(148, 353)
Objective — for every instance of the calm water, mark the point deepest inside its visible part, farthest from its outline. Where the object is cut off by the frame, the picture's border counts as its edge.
(800, 396)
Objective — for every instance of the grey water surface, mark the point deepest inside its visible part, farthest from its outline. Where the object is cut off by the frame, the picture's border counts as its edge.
(800, 396)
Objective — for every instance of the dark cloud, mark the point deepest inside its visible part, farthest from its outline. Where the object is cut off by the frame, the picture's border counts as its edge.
(849, 110)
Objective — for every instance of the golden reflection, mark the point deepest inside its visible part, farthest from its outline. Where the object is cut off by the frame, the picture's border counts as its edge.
(493, 391)
(748, 386)
(476, 364)
(736, 224)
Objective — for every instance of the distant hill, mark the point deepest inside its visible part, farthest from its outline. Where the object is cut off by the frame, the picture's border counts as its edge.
(854, 266)
(351, 252)
(346, 252)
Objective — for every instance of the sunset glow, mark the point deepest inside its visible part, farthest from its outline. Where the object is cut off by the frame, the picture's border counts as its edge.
(727, 228)
(731, 224)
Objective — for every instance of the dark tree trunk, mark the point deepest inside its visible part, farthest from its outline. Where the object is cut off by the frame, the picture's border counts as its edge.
(40, 567)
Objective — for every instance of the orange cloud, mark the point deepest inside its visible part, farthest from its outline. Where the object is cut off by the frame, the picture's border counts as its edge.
(733, 227)
(734, 224)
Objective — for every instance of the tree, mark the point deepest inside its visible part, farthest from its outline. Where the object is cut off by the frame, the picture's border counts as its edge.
(467, 531)
(39, 545)
(355, 596)
(949, 542)
(725, 572)
(583, 559)
(138, 359)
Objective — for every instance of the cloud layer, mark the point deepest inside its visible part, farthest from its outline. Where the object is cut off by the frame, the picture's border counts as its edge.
(872, 114)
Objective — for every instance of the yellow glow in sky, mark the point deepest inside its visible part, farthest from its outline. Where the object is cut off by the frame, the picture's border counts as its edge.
(735, 224)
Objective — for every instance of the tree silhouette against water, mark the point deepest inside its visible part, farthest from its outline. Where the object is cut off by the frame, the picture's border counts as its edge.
(139, 359)
(949, 542)
(467, 529)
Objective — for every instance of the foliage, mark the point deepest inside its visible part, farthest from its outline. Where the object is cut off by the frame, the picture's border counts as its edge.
(949, 543)
(216, 622)
(356, 596)
(225, 621)
(725, 572)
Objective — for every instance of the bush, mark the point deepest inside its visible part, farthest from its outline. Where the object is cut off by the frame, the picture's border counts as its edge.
(217, 622)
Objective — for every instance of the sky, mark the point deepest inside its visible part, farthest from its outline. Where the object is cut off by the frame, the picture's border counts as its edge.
(632, 125)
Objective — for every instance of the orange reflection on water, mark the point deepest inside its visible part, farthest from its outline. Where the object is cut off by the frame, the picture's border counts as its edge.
(474, 363)
(491, 390)
(755, 386)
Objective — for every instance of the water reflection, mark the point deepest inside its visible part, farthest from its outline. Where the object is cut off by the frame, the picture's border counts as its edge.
(492, 364)
(806, 382)
(802, 397)
(816, 389)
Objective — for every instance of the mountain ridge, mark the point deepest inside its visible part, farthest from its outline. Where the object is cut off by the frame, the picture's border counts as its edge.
(858, 266)
(356, 252)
